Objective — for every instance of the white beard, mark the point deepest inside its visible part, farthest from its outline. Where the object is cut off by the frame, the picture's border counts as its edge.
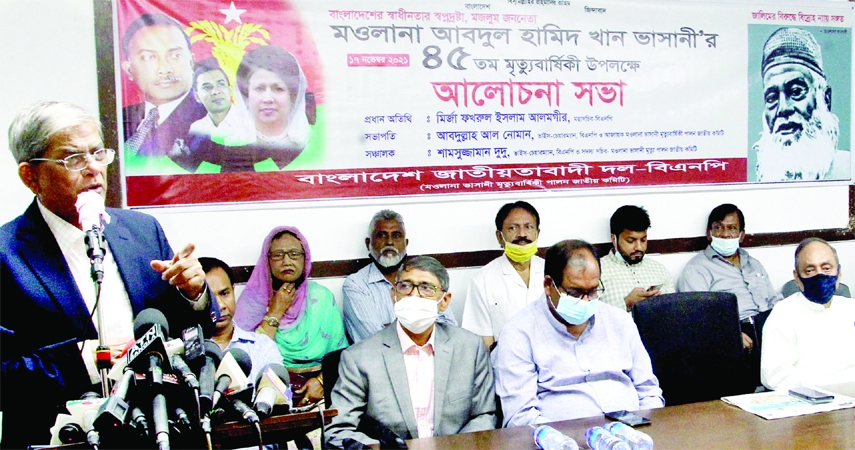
(388, 260)
(806, 155)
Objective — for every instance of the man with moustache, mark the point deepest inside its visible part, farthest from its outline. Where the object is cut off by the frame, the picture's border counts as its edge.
(158, 59)
(366, 306)
(563, 357)
(48, 321)
(629, 276)
(500, 289)
(800, 133)
(809, 338)
(725, 266)
(260, 348)
(417, 378)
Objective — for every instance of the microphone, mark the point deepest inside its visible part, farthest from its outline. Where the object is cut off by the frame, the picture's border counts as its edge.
(84, 411)
(139, 422)
(273, 387)
(213, 355)
(148, 353)
(112, 413)
(231, 374)
(242, 392)
(90, 212)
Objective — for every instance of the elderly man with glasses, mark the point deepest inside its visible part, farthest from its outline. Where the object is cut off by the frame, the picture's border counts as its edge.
(417, 378)
(48, 323)
(562, 357)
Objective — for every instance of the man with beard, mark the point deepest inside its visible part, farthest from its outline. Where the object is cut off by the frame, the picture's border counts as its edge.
(800, 133)
(628, 277)
(501, 288)
(260, 348)
(158, 59)
(367, 307)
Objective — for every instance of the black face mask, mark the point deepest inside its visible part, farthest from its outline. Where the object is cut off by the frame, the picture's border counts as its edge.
(387, 270)
(819, 288)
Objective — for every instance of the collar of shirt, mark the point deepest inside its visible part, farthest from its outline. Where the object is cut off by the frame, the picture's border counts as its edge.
(375, 276)
(66, 234)
(407, 343)
(165, 109)
(240, 335)
(543, 306)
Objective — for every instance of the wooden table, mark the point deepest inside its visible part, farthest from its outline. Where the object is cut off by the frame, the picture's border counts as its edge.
(274, 429)
(704, 425)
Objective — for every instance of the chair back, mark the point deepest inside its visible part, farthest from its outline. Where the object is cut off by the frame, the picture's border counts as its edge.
(695, 345)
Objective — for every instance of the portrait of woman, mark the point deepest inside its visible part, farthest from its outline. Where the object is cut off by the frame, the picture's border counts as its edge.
(299, 315)
(273, 88)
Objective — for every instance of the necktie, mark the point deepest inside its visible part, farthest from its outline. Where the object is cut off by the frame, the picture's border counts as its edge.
(143, 132)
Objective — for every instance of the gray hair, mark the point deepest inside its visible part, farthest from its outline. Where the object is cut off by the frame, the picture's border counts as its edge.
(811, 240)
(427, 264)
(385, 214)
(34, 127)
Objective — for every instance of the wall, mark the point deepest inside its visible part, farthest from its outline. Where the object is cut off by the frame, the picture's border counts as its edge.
(60, 65)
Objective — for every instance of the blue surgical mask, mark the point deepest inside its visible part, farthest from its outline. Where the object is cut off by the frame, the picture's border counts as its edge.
(575, 310)
(725, 247)
(819, 288)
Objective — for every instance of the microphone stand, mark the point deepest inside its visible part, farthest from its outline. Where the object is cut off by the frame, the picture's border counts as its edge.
(95, 249)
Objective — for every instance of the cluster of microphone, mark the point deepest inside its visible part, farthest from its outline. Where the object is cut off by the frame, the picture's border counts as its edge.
(168, 392)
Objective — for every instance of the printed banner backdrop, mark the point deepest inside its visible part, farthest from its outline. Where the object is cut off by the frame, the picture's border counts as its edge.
(275, 100)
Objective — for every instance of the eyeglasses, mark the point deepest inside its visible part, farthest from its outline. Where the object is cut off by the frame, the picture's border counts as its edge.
(279, 255)
(425, 289)
(79, 161)
(592, 294)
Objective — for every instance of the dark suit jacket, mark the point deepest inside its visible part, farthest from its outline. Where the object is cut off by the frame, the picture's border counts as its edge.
(373, 380)
(43, 316)
(176, 126)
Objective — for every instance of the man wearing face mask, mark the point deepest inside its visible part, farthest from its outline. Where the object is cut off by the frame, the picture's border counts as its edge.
(724, 266)
(366, 306)
(809, 339)
(418, 378)
(630, 276)
(563, 357)
(503, 287)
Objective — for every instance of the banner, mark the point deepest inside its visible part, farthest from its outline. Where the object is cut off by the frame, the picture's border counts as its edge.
(275, 100)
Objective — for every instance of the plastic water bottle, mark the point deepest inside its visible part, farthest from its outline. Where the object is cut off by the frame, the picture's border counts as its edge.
(549, 438)
(637, 440)
(600, 439)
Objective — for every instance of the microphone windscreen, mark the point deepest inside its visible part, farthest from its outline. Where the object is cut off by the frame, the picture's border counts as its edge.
(90, 210)
(213, 350)
(146, 319)
(243, 360)
(278, 369)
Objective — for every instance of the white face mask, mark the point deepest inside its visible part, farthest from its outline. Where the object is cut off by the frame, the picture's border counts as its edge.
(416, 314)
(725, 247)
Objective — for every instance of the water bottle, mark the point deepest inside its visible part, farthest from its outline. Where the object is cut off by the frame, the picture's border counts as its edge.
(600, 439)
(636, 439)
(549, 438)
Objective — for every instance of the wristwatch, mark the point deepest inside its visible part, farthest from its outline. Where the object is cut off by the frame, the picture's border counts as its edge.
(272, 321)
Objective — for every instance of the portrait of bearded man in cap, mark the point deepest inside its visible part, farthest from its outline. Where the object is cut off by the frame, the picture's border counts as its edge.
(799, 137)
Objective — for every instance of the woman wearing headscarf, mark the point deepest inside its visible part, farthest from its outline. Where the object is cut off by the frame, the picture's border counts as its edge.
(299, 315)
(273, 85)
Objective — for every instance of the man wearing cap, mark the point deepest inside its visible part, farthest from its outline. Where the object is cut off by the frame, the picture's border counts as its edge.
(800, 133)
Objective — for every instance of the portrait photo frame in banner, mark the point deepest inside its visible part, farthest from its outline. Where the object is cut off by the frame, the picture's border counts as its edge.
(296, 100)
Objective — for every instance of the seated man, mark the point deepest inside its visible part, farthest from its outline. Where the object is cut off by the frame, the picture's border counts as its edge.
(563, 358)
(500, 289)
(417, 378)
(260, 348)
(809, 338)
(630, 277)
(725, 267)
(366, 305)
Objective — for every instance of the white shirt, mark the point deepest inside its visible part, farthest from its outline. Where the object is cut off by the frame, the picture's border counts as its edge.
(805, 343)
(114, 297)
(497, 292)
(235, 129)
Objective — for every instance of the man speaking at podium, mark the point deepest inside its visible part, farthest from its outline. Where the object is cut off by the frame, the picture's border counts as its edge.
(48, 324)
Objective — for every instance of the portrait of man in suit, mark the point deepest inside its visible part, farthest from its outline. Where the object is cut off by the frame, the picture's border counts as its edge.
(158, 60)
(417, 378)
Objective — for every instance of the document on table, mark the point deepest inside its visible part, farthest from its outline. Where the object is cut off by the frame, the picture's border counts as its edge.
(779, 404)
